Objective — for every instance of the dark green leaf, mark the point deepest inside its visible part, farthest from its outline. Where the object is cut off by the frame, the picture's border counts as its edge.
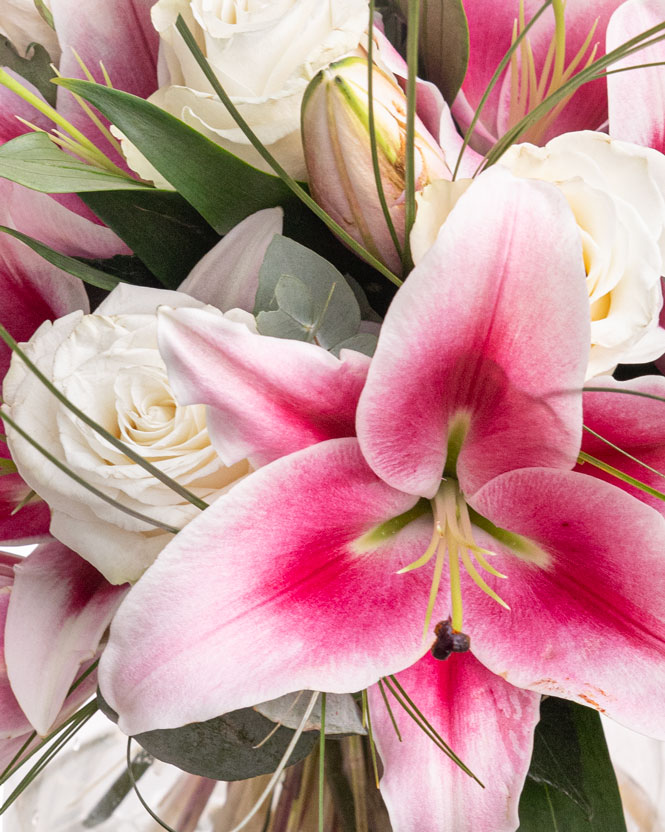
(34, 161)
(444, 44)
(118, 791)
(571, 786)
(35, 67)
(44, 12)
(71, 265)
(223, 188)
(160, 227)
(222, 748)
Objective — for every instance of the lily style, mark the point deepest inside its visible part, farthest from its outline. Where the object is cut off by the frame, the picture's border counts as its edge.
(452, 520)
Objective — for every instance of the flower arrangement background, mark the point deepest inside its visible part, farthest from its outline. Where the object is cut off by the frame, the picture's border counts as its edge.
(331, 337)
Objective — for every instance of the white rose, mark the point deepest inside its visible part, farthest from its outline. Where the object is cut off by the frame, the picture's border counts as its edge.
(264, 53)
(108, 365)
(616, 190)
(22, 23)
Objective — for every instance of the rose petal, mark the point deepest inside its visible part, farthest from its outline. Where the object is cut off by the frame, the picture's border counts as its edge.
(492, 329)
(487, 722)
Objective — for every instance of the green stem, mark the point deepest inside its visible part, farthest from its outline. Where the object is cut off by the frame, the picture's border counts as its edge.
(413, 24)
(615, 472)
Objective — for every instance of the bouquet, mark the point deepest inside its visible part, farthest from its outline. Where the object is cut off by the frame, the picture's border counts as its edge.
(331, 336)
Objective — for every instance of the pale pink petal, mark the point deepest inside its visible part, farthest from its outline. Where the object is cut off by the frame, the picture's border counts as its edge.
(290, 597)
(634, 424)
(637, 98)
(587, 613)
(228, 276)
(118, 34)
(268, 396)
(59, 609)
(489, 725)
(13, 722)
(491, 329)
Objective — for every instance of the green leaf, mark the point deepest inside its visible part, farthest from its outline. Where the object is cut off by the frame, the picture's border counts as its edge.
(223, 188)
(444, 44)
(120, 788)
(341, 712)
(571, 785)
(160, 227)
(34, 161)
(222, 748)
(71, 265)
(327, 310)
(44, 12)
(7, 466)
(35, 67)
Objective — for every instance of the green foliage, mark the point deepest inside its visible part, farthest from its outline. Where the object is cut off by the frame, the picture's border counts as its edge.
(571, 786)
(223, 188)
(34, 161)
(160, 227)
(304, 297)
(35, 67)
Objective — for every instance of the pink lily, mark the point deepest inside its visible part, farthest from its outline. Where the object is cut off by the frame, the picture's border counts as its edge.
(300, 569)
(54, 609)
(491, 30)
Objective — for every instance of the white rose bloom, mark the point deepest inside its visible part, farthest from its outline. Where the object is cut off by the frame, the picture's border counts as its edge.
(616, 190)
(264, 53)
(108, 365)
(22, 23)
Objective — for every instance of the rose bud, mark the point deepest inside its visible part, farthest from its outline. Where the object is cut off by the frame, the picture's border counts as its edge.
(336, 139)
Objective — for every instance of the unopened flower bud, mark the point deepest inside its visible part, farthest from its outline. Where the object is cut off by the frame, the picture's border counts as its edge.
(336, 139)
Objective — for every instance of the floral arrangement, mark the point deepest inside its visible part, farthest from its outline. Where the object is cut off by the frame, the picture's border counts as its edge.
(331, 334)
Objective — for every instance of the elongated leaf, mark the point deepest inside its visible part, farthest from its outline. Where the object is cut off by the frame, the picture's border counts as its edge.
(444, 44)
(223, 188)
(223, 748)
(71, 265)
(34, 161)
(35, 67)
(160, 227)
(571, 784)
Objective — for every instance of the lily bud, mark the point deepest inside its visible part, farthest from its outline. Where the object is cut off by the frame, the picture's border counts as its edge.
(336, 139)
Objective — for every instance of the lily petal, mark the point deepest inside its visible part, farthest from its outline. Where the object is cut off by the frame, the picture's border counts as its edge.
(31, 523)
(228, 276)
(487, 722)
(637, 98)
(60, 607)
(13, 722)
(293, 598)
(587, 613)
(490, 331)
(268, 396)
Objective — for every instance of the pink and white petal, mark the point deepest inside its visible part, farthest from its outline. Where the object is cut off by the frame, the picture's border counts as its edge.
(13, 722)
(292, 599)
(634, 424)
(59, 609)
(31, 523)
(268, 397)
(40, 216)
(587, 617)
(118, 34)
(492, 330)
(637, 98)
(488, 723)
(228, 275)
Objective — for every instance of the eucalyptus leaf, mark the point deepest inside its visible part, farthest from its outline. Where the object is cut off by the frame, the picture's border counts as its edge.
(364, 342)
(279, 324)
(295, 299)
(571, 784)
(85, 272)
(223, 748)
(342, 716)
(444, 43)
(34, 161)
(160, 227)
(223, 188)
(35, 67)
(335, 314)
